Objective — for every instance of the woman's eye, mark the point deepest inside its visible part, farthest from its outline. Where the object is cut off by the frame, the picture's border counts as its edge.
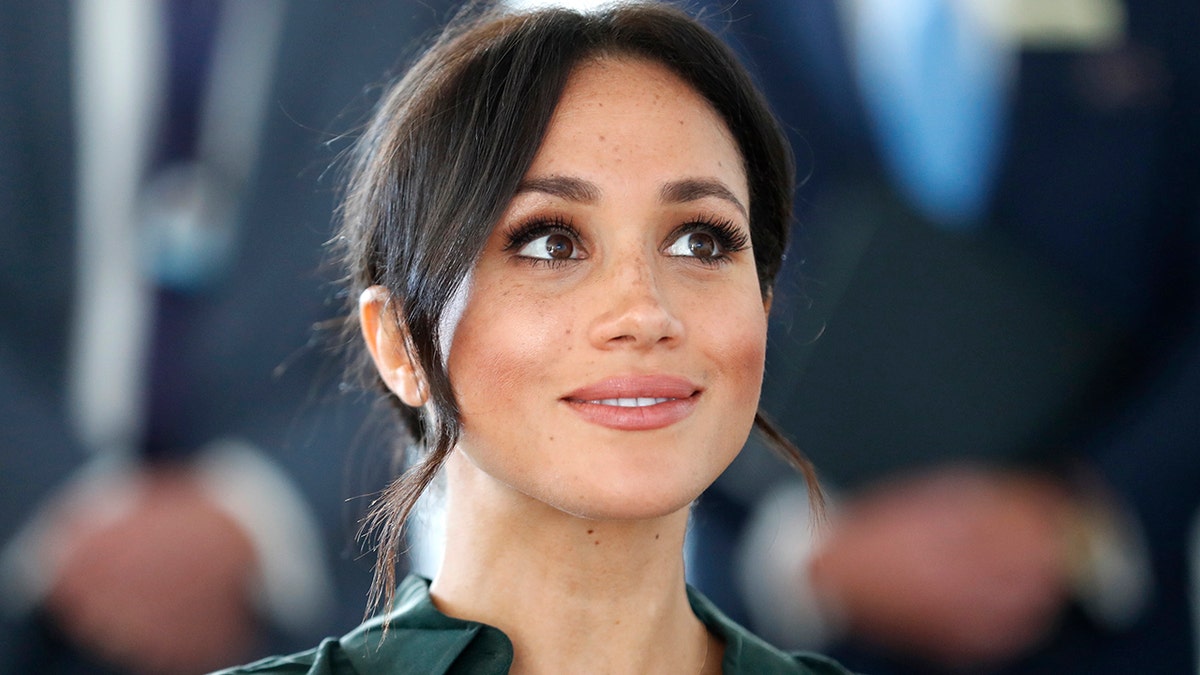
(554, 246)
(696, 245)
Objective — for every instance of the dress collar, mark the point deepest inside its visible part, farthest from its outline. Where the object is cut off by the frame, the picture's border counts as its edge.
(421, 639)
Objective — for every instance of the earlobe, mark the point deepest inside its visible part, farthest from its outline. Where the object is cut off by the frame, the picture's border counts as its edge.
(767, 297)
(389, 344)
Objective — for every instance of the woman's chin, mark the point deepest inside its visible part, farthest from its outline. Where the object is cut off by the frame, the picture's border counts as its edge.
(625, 501)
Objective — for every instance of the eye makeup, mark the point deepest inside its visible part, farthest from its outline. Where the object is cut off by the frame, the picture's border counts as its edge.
(522, 242)
(726, 237)
(729, 237)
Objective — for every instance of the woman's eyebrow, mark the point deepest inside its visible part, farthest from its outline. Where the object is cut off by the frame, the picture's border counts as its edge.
(563, 187)
(692, 189)
(673, 192)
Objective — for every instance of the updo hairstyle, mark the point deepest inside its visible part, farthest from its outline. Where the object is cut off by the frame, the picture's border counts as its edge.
(443, 156)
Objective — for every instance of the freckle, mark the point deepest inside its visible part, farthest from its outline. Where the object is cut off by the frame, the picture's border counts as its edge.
(590, 531)
(601, 138)
(597, 542)
(656, 536)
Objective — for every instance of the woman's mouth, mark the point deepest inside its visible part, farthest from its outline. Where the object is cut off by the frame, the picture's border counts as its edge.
(635, 403)
(631, 402)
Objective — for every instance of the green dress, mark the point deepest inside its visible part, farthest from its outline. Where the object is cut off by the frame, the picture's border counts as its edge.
(423, 641)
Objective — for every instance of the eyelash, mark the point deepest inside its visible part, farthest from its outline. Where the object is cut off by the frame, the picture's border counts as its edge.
(541, 227)
(728, 236)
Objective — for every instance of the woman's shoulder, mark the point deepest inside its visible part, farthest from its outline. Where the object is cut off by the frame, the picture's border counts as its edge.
(328, 658)
(414, 638)
(815, 664)
(419, 639)
(748, 654)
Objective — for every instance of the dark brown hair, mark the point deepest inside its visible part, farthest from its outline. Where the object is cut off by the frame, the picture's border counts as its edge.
(445, 152)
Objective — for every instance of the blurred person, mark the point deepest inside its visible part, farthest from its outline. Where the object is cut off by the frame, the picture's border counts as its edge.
(161, 222)
(992, 352)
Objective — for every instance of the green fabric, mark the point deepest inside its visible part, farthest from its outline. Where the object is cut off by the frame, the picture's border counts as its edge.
(421, 640)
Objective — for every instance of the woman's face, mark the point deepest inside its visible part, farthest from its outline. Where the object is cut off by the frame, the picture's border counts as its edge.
(609, 352)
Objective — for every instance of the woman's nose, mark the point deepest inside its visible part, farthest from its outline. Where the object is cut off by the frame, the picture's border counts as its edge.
(632, 309)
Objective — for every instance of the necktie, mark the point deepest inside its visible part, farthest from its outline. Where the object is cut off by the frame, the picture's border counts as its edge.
(171, 249)
(933, 80)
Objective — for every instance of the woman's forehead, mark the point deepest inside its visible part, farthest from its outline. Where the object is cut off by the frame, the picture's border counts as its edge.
(635, 112)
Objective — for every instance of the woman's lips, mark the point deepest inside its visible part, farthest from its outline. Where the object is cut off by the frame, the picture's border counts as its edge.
(635, 403)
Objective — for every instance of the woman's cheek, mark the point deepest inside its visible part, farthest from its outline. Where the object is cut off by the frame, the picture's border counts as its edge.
(743, 350)
(506, 345)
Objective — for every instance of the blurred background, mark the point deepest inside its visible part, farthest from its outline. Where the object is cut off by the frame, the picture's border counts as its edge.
(986, 338)
(182, 477)
(985, 335)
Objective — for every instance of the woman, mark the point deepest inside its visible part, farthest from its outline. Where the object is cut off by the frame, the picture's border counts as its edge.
(562, 231)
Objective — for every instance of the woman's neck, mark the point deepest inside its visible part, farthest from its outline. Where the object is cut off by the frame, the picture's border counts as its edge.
(572, 594)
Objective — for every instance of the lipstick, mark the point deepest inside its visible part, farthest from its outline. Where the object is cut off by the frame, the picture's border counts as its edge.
(636, 402)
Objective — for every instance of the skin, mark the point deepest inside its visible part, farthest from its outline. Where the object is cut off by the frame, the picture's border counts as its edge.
(961, 567)
(133, 590)
(583, 521)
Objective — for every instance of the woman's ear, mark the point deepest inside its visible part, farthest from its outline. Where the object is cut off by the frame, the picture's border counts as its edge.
(389, 344)
(767, 298)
